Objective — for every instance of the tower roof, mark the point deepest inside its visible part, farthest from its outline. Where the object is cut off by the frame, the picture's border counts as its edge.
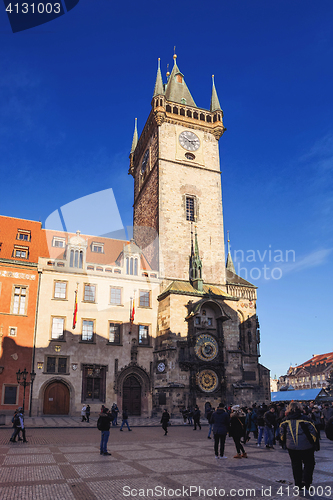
(176, 89)
(214, 102)
(158, 90)
(135, 137)
(230, 265)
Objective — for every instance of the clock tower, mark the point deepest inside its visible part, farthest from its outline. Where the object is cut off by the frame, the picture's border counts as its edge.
(177, 181)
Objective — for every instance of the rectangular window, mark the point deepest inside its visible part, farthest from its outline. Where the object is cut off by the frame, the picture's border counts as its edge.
(115, 297)
(97, 247)
(60, 289)
(21, 252)
(87, 330)
(189, 208)
(19, 303)
(93, 383)
(23, 235)
(143, 335)
(12, 331)
(144, 299)
(58, 328)
(55, 364)
(58, 242)
(89, 293)
(114, 333)
(10, 396)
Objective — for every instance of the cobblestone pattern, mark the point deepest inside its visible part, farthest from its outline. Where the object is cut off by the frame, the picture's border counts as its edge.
(69, 467)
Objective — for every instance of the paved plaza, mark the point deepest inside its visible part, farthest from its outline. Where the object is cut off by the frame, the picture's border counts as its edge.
(64, 464)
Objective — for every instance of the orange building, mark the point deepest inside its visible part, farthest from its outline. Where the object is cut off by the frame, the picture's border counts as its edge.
(21, 243)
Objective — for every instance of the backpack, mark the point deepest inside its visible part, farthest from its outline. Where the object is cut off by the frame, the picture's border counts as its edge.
(99, 424)
(16, 421)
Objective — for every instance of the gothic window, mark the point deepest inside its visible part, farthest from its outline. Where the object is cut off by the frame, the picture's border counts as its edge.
(202, 117)
(93, 383)
(175, 110)
(189, 113)
(132, 266)
(76, 259)
(190, 208)
(56, 364)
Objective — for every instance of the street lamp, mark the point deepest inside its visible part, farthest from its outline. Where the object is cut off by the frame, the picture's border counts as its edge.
(22, 380)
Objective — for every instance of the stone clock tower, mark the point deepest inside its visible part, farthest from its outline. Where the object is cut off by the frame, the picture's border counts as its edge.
(207, 337)
(176, 169)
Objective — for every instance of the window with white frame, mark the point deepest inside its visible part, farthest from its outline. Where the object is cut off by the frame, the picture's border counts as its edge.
(143, 335)
(12, 331)
(89, 293)
(58, 242)
(114, 333)
(20, 300)
(144, 299)
(60, 289)
(87, 330)
(57, 332)
(115, 296)
(97, 247)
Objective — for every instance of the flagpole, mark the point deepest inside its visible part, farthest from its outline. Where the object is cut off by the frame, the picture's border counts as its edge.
(130, 314)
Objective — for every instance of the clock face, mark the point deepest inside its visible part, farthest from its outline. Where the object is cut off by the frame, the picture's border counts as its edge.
(144, 161)
(206, 347)
(161, 367)
(188, 140)
(207, 380)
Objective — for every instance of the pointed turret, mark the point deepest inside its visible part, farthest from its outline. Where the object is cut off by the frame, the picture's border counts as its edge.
(195, 264)
(214, 102)
(135, 137)
(176, 89)
(230, 265)
(158, 89)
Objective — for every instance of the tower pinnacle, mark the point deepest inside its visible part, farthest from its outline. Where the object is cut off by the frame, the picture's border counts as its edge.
(158, 90)
(214, 102)
(135, 137)
(230, 265)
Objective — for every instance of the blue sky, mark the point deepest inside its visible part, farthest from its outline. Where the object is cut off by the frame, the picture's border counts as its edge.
(69, 93)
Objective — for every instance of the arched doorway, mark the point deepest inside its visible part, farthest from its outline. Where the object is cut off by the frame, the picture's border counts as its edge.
(132, 395)
(56, 399)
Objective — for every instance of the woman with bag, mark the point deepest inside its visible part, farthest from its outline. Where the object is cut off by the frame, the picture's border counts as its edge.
(237, 430)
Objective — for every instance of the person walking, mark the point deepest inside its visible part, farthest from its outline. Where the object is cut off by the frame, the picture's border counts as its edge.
(299, 436)
(83, 413)
(220, 421)
(165, 421)
(260, 424)
(190, 416)
(270, 422)
(88, 412)
(250, 424)
(115, 411)
(237, 429)
(209, 417)
(19, 426)
(196, 418)
(125, 420)
(103, 424)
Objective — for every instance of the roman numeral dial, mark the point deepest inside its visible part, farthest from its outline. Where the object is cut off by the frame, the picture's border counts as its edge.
(189, 141)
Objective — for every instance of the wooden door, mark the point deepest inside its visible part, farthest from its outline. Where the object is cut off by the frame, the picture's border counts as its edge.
(56, 399)
(132, 396)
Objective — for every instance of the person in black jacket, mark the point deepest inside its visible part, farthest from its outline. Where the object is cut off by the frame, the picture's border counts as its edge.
(125, 420)
(209, 418)
(164, 421)
(220, 421)
(237, 430)
(103, 424)
(299, 435)
(196, 418)
(270, 423)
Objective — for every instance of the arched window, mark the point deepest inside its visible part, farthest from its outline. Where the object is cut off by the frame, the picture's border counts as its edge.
(71, 260)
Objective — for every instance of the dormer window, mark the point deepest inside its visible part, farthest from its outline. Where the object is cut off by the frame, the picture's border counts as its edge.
(23, 235)
(179, 78)
(21, 252)
(97, 247)
(132, 266)
(183, 100)
(58, 242)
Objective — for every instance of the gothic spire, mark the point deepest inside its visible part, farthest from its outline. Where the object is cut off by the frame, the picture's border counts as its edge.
(158, 90)
(230, 265)
(176, 89)
(214, 102)
(135, 137)
(195, 264)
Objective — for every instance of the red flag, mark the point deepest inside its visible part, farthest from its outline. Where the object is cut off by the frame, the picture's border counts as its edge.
(132, 312)
(75, 311)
